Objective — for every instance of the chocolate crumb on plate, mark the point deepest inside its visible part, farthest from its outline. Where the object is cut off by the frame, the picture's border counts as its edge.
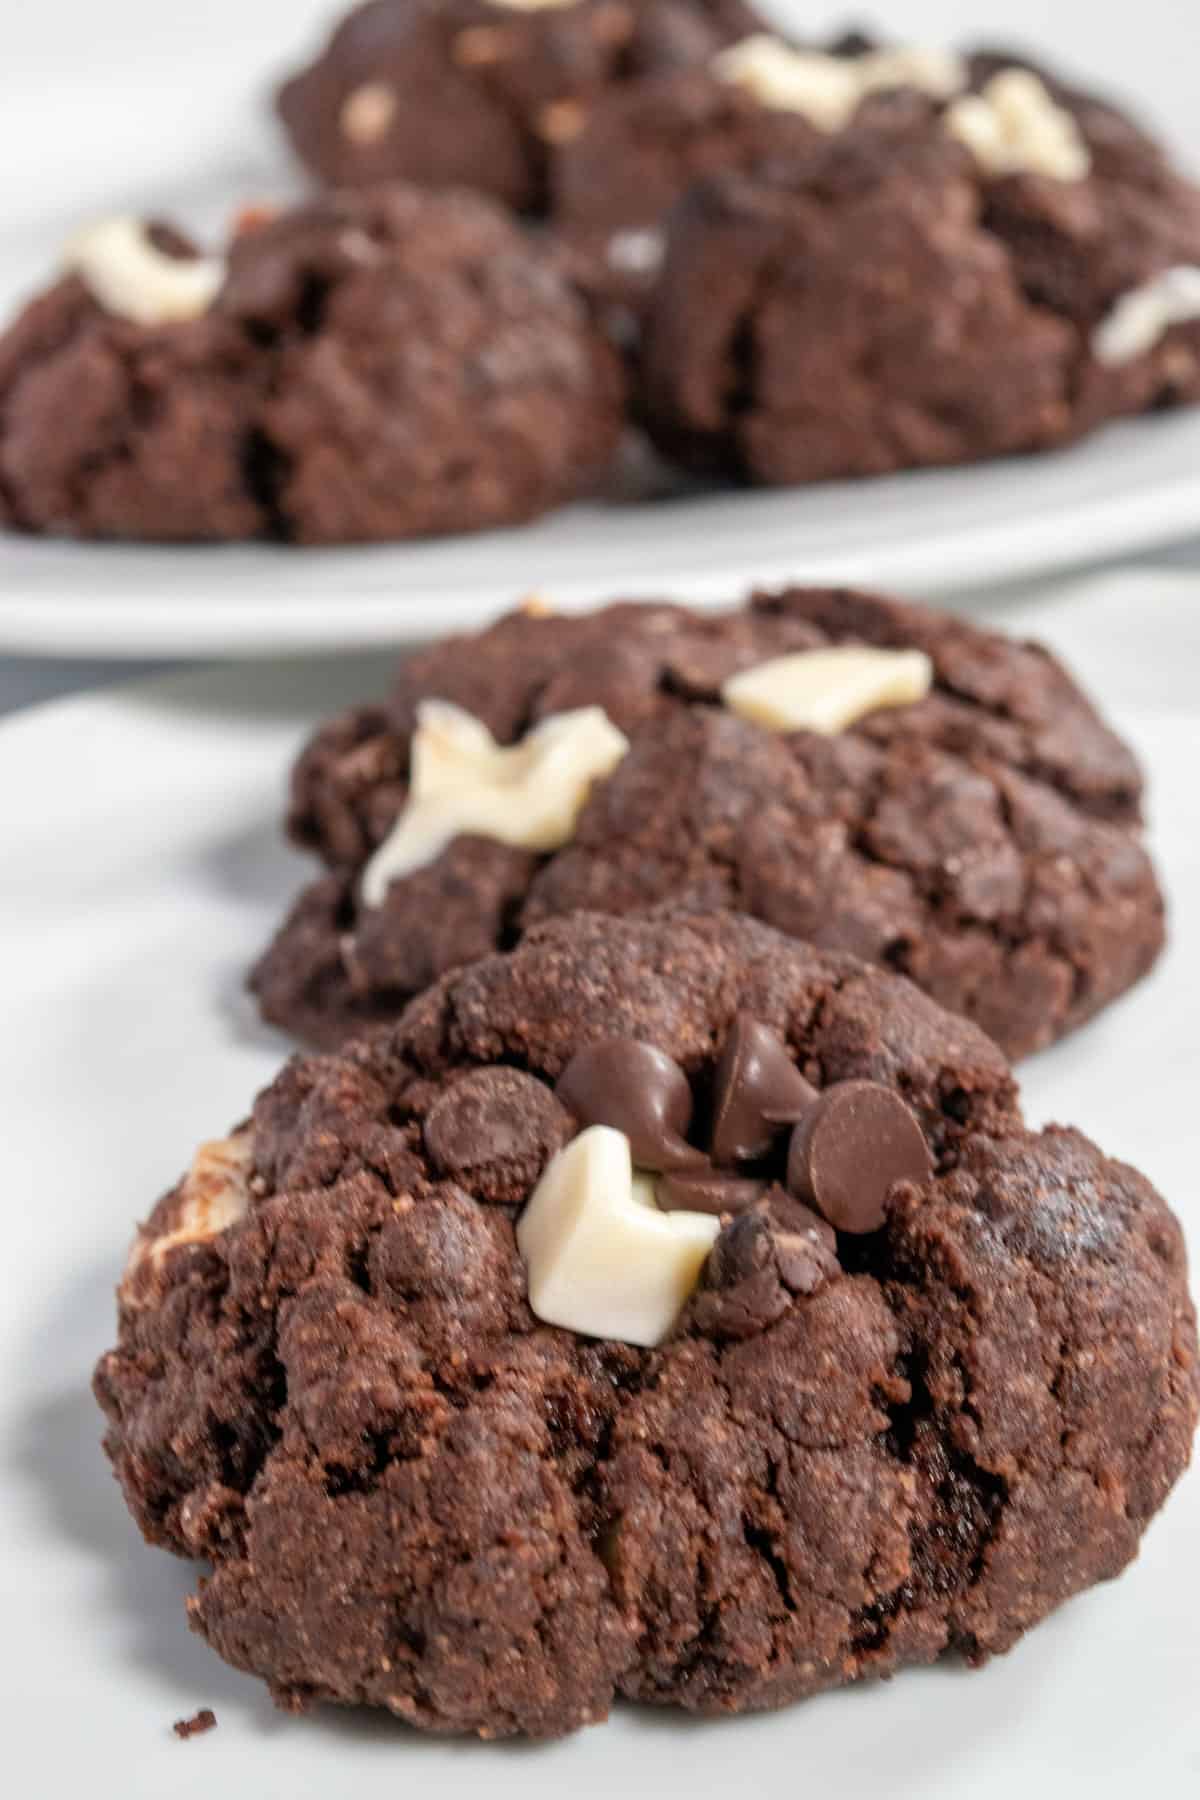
(204, 1720)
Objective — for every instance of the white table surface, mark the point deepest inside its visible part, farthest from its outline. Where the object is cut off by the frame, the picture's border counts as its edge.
(27, 681)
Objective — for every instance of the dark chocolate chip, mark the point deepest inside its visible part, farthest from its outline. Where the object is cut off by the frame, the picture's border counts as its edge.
(163, 237)
(743, 1248)
(753, 1274)
(757, 1090)
(499, 1126)
(804, 1263)
(787, 1213)
(639, 1090)
(851, 1148)
(707, 1191)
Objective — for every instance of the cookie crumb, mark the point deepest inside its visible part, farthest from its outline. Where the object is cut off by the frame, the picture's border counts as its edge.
(204, 1720)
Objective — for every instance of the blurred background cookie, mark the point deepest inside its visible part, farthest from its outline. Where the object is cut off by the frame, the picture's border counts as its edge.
(371, 366)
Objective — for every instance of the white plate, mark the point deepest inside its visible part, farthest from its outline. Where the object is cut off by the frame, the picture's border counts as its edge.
(143, 870)
(160, 109)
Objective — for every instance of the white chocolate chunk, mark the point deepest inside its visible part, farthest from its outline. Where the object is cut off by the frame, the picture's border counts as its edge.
(636, 252)
(529, 795)
(827, 690)
(123, 270)
(1141, 318)
(214, 1196)
(938, 73)
(822, 88)
(367, 113)
(828, 90)
(1015, 126)
(601, 1259)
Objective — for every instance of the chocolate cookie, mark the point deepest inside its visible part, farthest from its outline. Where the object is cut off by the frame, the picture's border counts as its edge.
(984, 839)
(369, 366)
(476, 92)
(933, 281)
(644, 143)
(755, 1457)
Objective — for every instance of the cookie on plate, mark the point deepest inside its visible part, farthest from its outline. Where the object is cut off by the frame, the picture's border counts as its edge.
(475, 92)
(665, 1309)
(934, 280)
(370, 366)
(861, 773)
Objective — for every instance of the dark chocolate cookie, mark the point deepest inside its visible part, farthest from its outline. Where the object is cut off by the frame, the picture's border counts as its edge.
(984, 841)
(887, 298)
(847, 1452)
(476, 92)
(369, 366)
(646, 142)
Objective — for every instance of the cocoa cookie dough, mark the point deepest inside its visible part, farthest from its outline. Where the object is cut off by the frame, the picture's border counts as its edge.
(370, 366)
(935, 281)
(478, 92)
(983, 840)
(849, 1451)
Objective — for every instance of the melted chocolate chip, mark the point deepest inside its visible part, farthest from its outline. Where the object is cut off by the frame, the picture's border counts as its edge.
(757, 1090)
(637, 1089)
(850, 1149)
(707, 1191)
(742, 1250)
(753, 1274)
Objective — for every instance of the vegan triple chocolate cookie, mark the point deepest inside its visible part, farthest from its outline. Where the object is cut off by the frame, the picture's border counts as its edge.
(477, 92)
(666, 1309)
(862, 773)
(988, 264)
(369, 366)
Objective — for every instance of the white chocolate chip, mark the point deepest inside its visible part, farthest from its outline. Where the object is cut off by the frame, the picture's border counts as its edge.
(1015, 126)
(827, 690)
(823, 88)
(528, 795)
(214, 1195)
(1141, 318)
(636, 252)
(601, 1258)
(367, 113)
(938, 73)
(123, 270)
(828, 90)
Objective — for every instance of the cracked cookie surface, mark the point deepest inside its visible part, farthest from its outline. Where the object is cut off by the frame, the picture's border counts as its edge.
(414, 1495)
(375, 366)
(488, 88)
(984, 841)
(878, 301)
